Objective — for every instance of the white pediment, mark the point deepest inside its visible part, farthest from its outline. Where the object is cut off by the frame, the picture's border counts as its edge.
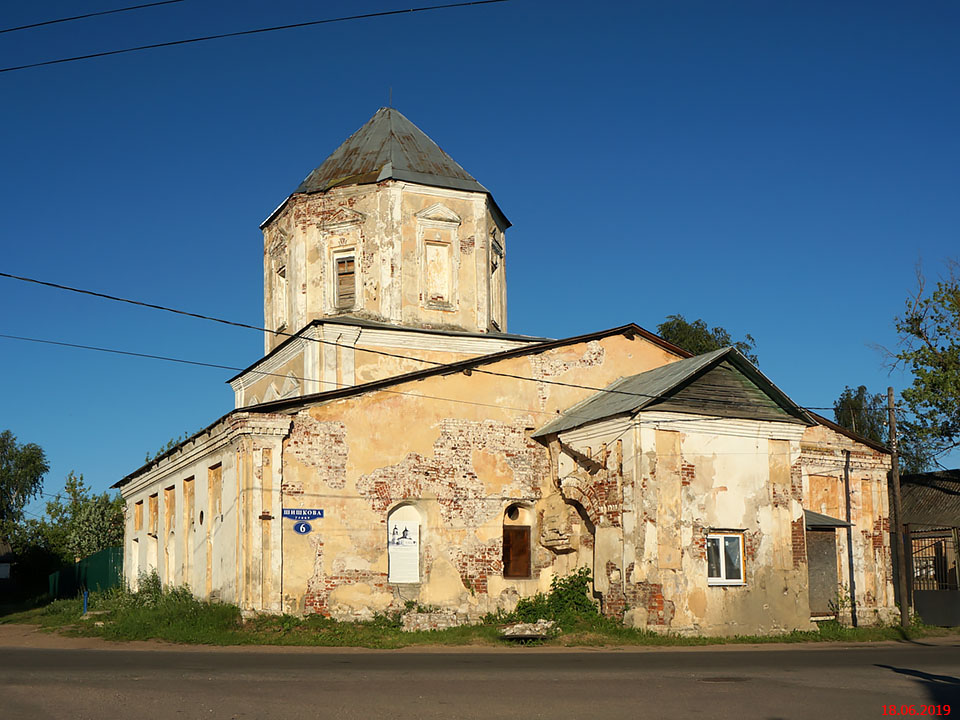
(271, 393)
(438, 212)
(342, 217)
(291, 386)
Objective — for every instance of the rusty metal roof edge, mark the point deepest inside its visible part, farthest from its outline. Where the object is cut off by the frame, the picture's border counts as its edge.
(813, 520)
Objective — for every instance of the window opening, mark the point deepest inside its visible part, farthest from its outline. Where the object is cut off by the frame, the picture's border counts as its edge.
(280, 299)
(725, 559)
(153, 508)
(346, 282)
(516, 542)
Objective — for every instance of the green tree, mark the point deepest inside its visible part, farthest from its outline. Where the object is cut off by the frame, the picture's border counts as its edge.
(82, 523)
(78, 523)
(866, 414)
(696, 337)
(929, 331)
(22, 468)
(863, 412)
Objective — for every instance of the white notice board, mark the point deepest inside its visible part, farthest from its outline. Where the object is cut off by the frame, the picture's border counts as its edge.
(403, 546)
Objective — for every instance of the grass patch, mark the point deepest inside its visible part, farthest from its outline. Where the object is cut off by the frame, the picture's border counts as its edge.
(174, 615)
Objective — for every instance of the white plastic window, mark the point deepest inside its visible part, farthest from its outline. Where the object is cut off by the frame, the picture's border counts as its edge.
(725, 559)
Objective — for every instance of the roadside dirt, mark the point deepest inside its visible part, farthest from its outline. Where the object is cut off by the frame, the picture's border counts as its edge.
(16, 635)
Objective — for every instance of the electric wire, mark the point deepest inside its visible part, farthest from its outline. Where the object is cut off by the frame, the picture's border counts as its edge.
(88, 15)
(219, 366)
(332, 343)
(240, 33)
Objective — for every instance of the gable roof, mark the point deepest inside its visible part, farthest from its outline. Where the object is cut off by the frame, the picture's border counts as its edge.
(390, 147)
(631, 394)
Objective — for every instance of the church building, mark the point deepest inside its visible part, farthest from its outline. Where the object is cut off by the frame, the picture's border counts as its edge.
(396, 443)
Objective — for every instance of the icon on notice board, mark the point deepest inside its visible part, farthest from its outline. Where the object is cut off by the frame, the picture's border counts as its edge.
(302, 528)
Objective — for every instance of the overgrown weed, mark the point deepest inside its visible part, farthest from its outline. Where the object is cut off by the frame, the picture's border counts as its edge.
(174, 615)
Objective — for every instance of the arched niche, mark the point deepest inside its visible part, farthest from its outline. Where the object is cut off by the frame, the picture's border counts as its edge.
(403, 544)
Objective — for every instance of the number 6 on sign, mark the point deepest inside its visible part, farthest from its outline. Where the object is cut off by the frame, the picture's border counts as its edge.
(302, 528)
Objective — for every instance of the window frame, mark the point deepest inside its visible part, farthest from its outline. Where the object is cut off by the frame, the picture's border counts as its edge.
(338, 258)
(722, 579)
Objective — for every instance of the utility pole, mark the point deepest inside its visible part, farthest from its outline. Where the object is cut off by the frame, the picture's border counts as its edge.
(898, 513)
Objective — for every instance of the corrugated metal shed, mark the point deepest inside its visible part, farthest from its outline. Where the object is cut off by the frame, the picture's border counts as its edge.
(931, 498)
(390, 147)
(632, 394)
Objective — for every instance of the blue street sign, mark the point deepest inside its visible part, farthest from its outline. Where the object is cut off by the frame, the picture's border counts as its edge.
(302, 528)
(303, 513)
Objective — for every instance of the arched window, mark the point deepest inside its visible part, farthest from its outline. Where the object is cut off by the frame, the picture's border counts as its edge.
(516, 542)
(403, 545)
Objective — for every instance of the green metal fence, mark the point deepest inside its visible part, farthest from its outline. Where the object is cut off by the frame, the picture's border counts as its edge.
(100, 571)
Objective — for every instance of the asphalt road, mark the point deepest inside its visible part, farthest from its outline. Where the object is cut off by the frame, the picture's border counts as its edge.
(786, 682)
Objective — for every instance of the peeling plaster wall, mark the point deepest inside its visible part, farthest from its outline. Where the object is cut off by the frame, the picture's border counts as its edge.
(218, 524)
(422, 254)
(654, 508)
(462, 464)
(832, 464)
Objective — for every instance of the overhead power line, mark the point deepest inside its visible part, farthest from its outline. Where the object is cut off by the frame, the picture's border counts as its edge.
(419, 396)
(198, 363)
(88, 15)
(241, 33)
(331, 343)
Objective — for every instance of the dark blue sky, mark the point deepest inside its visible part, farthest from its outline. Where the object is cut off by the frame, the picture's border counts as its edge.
(774, 168)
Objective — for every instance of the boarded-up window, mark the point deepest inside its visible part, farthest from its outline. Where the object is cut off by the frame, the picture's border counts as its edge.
(138, 516)
(188, 510)
(169, 508)
(188, 502)
(215, 490)
(280, 297)
(822, 571)
(154, 504)
(403, 545)
(516, 551)
(438, 278)
(346, 282)
(496, 284)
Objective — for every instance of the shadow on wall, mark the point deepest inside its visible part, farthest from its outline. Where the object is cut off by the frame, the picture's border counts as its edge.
(943, 689)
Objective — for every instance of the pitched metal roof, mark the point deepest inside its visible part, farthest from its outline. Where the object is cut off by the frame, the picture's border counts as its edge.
(814, 521)
(389, 147)
(931, 498)
(291, 404)
(632, 394)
